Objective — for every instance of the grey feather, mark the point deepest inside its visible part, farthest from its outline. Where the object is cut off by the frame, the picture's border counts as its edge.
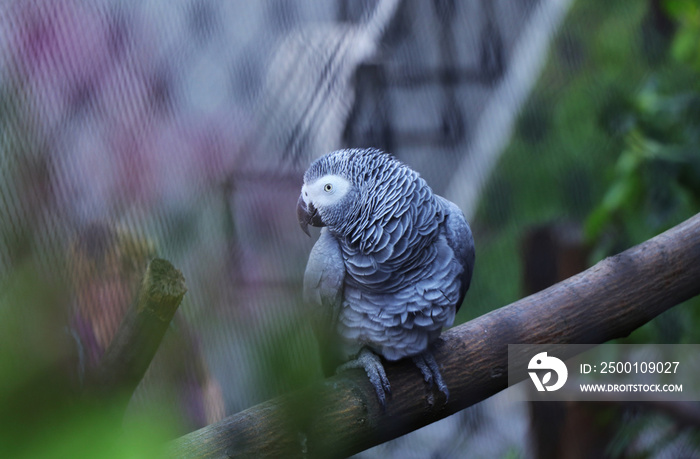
(459, 237)
(323, 293)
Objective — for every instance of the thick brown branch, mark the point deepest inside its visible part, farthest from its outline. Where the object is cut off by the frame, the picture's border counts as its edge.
(341, 416)
(141, 331)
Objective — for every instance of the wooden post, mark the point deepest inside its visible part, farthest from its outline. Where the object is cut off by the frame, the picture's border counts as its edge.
(131, 350)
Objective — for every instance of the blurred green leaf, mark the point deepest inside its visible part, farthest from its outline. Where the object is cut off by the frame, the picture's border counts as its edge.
(596, 222)
(680, 8)
(685, 45)
(42, 412)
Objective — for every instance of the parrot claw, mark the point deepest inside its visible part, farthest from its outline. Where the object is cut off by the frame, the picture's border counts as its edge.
(372, 364)
(431, 372)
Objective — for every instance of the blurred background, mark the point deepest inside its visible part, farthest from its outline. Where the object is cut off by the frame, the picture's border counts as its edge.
(566, 131)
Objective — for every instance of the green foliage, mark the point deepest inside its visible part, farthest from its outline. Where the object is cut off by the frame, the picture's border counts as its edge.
(41, 412)
(609, 138)
(655, 179)
(685, 44)
(655, 182)
(557, 171)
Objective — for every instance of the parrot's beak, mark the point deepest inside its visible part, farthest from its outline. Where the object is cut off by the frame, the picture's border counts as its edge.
(307, 215)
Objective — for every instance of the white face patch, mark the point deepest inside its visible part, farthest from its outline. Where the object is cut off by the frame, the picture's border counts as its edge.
(326, 191)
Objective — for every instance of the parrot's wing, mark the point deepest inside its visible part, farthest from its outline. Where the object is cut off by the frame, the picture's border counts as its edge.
(323, 295)
(459, 238)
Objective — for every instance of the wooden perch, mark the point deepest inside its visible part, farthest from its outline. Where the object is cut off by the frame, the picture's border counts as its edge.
(131, 350)
(341, 416)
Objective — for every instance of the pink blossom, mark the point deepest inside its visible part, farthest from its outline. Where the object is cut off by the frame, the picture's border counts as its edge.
(59, 49)
(92, 86)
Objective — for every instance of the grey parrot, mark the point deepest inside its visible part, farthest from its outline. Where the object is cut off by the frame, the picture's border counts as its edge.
(390, 268)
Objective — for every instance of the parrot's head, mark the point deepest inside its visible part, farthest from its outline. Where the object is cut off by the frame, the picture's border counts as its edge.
(328, 192)
(345, 188)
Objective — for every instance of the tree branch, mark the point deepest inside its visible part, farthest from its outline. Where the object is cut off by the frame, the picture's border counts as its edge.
(131, 350)
(341, 416)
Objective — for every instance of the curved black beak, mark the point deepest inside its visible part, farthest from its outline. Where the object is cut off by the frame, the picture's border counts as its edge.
(307, 215)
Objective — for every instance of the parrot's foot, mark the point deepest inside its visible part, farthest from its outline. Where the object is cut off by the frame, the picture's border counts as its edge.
(431, 371)
(372, 364)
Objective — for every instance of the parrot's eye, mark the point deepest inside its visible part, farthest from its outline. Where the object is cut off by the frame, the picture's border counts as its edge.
(326, 191)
